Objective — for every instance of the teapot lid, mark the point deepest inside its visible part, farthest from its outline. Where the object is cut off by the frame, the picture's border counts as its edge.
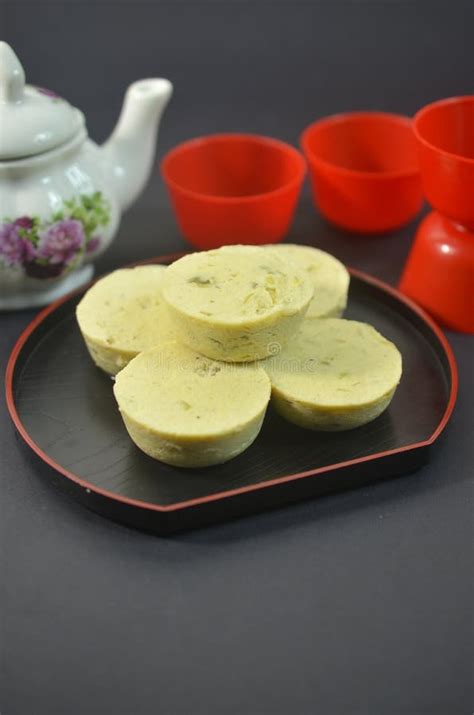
(32, 119)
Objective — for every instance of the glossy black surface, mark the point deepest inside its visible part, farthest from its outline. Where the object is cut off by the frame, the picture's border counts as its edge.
(68, 409)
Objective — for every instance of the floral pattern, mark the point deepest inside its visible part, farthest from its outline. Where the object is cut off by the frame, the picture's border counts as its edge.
(47, 92)
(50, 249)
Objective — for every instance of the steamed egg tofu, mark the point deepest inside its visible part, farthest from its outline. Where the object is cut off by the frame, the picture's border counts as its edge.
(335, 375)
(329, 276)
(236, 303)
(187, 410)
(123, 314)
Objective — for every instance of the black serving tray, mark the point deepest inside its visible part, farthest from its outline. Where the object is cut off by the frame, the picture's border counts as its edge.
(65, 410)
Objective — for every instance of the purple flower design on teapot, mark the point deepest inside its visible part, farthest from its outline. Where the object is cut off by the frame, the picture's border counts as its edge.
(47, 249)
(47, 92)
(14, 249)
(61, 242)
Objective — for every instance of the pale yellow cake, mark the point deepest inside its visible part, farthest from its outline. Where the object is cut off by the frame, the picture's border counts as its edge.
(329, 276)
(236, 303)
(123, 314)
(334, 375)
(190, 411)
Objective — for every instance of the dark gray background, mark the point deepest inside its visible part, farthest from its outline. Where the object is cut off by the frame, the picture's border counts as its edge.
(359, 604)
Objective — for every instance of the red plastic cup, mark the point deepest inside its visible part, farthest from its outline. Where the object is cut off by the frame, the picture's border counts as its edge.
(439, 273)
(445, 135)
(364, 170)
(233, 188)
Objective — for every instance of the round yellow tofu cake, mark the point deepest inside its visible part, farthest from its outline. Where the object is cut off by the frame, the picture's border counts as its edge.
(236, 303)
(329, 276)
(190, 411)
(123, 314)
(336, 375)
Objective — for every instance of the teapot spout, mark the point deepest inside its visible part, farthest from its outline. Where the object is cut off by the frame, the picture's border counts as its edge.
(129, 151)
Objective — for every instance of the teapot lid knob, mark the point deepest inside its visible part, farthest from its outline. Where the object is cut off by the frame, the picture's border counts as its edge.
(12, 75)
(32, 119)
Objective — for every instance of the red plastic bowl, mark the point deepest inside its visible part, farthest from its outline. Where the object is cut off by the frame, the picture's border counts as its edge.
(439, 273)
(445, 134)
(233, 188)
(364, 170)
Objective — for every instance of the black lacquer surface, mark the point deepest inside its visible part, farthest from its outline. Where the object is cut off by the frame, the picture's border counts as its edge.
(67, 408)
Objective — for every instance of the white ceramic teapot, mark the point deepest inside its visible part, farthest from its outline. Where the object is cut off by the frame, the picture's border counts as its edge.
(61, 195)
